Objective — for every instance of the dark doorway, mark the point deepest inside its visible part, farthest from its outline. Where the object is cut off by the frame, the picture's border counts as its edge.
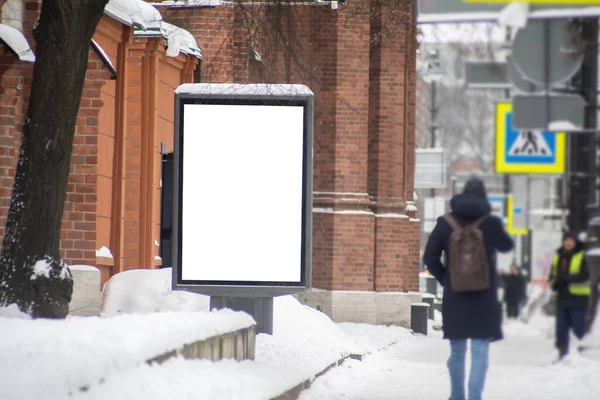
(166, 210)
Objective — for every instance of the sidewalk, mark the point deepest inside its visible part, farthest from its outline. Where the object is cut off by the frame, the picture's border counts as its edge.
(76, 359)
(520, 368)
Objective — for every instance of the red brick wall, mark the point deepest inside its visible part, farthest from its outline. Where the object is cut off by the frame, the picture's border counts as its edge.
(133, 154)
(11, 112)
(113, 193)
(364, 126)
(78, 235)
(212, 29)
(78, 244)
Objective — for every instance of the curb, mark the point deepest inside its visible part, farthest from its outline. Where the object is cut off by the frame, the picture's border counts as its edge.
(294, 393)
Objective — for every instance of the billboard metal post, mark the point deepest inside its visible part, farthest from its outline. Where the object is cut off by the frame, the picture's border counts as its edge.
(242, 209)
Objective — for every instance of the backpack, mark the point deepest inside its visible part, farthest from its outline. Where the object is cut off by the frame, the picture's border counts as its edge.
(467, 258)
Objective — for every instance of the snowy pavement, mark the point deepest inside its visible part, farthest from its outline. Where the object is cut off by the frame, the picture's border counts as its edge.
(105, 357)
(520, 368)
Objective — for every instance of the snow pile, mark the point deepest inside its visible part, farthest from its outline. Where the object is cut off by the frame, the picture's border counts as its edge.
(48, 359)
(55, 359)
(303, 344)
(145, 291)
(104, 252)
(304, 339)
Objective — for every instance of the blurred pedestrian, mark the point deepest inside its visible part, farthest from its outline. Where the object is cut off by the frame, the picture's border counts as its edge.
(569, 278)
(468, 314)
(514, 291)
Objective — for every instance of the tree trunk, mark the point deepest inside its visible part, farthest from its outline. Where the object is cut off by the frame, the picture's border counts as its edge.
(32, 274)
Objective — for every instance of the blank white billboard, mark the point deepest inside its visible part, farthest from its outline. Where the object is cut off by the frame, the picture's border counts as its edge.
(242, 193)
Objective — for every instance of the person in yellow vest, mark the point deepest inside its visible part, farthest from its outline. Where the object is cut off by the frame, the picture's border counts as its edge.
(569, 278)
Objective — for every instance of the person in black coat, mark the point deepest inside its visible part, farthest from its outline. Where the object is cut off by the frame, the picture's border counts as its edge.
(514, 291)
(472, 315)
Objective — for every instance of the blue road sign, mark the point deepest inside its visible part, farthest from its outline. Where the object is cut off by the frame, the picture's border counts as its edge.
(527, 152)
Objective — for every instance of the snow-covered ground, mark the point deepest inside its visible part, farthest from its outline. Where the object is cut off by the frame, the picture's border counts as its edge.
(521, 367)
(142, 318)
(48, 359)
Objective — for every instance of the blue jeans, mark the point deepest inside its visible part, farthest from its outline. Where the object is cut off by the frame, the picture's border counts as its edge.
(567, 319)
(479, 365)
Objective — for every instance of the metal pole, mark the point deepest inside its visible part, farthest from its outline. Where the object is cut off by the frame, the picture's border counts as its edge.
(590, 32)
(590, 92)
(433, 123)
(506, 177)
(526, 247)
(583, 147)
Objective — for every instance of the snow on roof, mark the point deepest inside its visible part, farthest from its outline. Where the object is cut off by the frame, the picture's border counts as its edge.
(17, 43)
(191, 3)
(179, 40)
(104, 252)
(105, 59)
(243, 89)
(149, 23)
(216, 3)
(134, 13)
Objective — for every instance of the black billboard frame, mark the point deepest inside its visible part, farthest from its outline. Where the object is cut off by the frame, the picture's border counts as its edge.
(232, 94)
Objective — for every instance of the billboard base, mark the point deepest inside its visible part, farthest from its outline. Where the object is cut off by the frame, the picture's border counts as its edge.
(260, 308)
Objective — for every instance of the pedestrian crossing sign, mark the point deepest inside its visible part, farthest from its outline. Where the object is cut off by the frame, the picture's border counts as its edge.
(526, 152)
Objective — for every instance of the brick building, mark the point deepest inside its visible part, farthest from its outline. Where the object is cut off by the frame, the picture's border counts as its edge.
(125, 122)
(361, 65)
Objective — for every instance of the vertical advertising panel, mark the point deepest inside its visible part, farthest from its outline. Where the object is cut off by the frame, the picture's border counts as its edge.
(243, 162)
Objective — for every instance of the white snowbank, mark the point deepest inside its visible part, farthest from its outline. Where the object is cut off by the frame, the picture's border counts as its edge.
(145, 291)
(48, 359)
(303, 344)
(54, 359)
